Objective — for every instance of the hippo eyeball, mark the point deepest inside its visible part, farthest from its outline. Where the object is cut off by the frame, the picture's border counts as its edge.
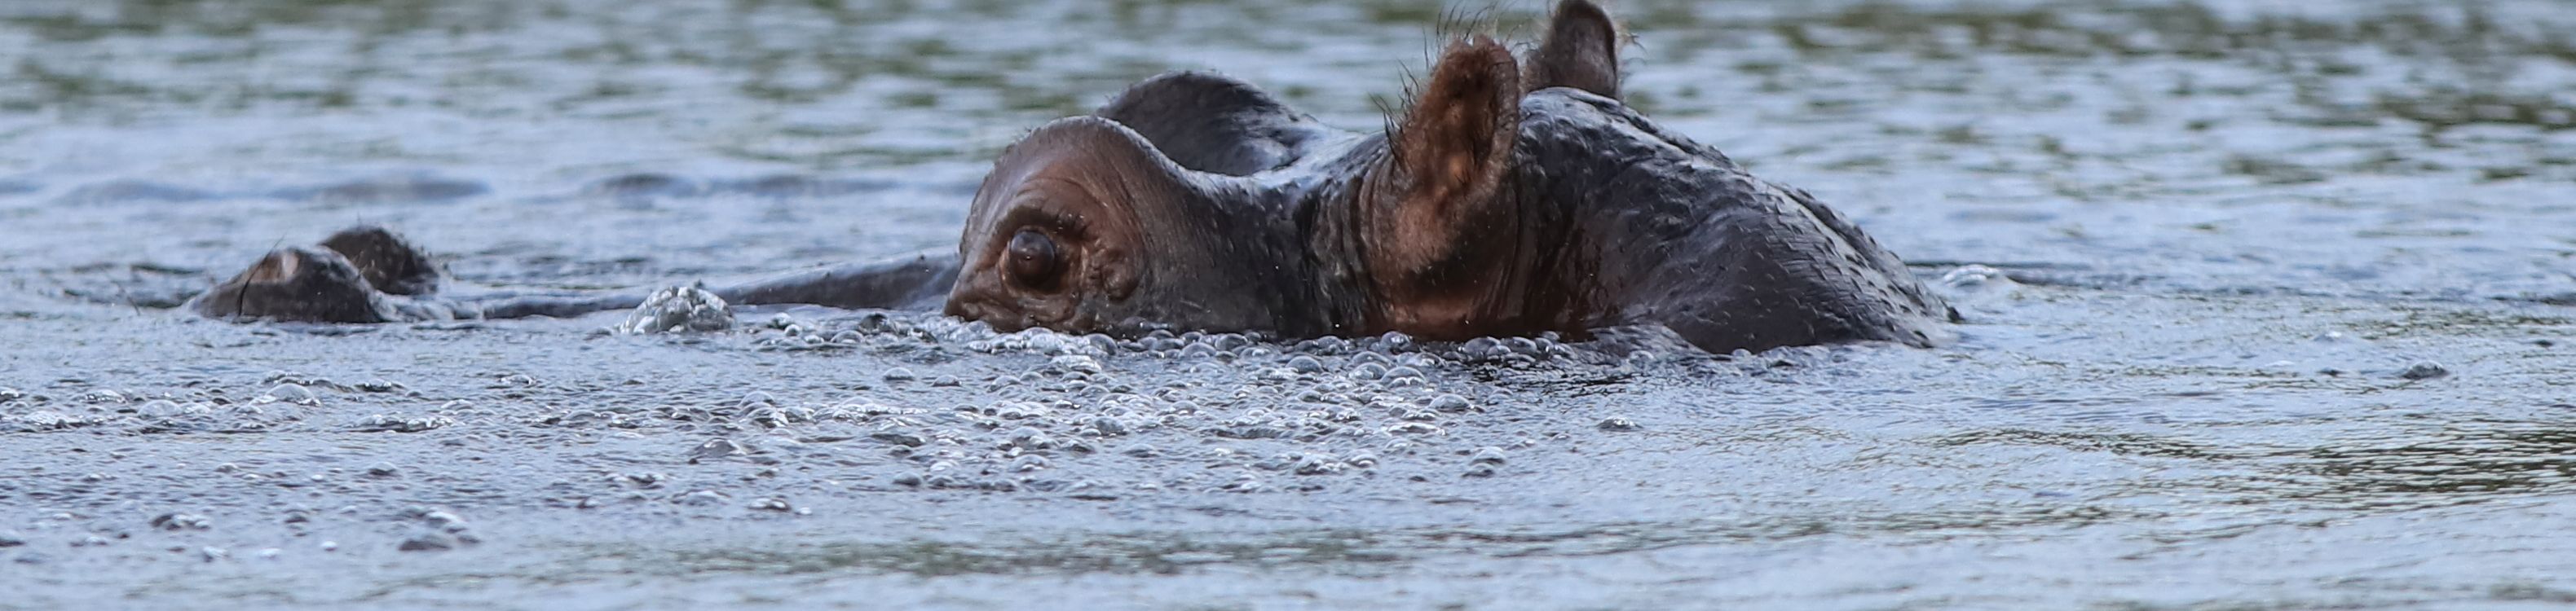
(1036, 262)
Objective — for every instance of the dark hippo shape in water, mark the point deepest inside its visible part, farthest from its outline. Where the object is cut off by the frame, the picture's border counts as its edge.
(368, 274)
(1510, 198)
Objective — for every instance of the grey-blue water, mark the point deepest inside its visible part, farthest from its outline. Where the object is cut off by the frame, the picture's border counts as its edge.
(2270, 307)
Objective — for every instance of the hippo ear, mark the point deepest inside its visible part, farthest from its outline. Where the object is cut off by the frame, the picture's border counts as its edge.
(1455, 142)
(1429, 207)
(1581, 51)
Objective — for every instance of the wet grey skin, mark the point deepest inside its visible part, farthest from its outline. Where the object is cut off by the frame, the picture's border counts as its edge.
(1510, 198)
(1507, 200)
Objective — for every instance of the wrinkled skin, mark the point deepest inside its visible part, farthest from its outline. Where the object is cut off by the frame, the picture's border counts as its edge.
(1511, 198)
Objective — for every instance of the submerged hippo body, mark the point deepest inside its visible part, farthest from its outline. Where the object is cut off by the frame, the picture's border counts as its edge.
(1508, 199)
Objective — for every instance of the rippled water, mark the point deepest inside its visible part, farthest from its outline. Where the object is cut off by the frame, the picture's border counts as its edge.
(2270, 307)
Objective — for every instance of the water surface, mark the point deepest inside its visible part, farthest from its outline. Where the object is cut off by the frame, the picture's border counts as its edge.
(2269, 302)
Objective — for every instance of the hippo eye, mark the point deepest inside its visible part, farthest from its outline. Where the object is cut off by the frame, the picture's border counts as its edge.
(1035, 261)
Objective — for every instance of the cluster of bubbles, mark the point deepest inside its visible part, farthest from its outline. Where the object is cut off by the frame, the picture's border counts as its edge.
(1099, 415)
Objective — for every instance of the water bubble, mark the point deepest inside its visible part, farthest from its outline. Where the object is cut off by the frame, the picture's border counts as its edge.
(716, 448)
(430, 542)
(1031, 438)
(1308, 463)
(289, 392)
(900, 438)
(2424, 370)
(677, 309)
(1974, 277)
(1245, 483)
(1326, 346)
(899, 374)
(1617, 424)
(702, 498)
(400, 424)
(1413, 428)
(163, 408)
(1451, 403)
(440, 519)
(1198, 350)
(1076, 363)
(180, 521)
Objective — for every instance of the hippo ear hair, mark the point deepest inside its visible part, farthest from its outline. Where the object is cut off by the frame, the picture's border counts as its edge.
(1454, 142)
(1581, 51)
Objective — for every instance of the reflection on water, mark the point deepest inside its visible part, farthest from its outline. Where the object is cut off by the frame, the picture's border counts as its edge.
(2267, 301)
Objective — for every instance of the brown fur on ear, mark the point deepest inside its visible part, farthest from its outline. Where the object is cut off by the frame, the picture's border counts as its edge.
(1432, 207)
(1454, 143)
(1581, 51)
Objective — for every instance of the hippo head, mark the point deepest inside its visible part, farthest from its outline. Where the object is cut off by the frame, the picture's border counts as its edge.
(1084, 226)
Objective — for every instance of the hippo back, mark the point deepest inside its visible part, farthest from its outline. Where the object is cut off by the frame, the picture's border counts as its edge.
(1674, 233)
(1211, 123)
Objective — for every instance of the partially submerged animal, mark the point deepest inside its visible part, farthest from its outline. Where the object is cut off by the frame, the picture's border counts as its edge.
(1511, 197)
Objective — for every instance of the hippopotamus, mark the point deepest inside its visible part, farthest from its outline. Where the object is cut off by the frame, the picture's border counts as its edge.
(1513, 195)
